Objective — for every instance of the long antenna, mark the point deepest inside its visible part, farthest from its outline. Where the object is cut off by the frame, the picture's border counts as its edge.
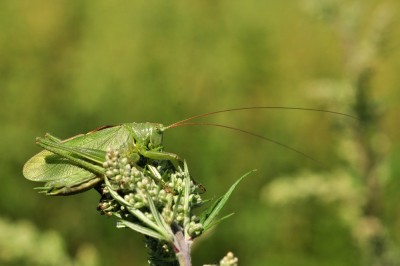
(246, 132)
(257, 107)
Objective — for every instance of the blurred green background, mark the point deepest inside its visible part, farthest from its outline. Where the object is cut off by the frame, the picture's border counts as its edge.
(69, 66)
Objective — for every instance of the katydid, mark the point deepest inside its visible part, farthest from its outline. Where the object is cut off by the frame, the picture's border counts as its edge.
(75, 165)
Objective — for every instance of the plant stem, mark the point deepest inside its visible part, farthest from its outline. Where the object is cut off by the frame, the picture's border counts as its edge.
(182, 249)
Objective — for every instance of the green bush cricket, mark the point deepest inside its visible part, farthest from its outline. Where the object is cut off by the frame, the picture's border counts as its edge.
(75, 165)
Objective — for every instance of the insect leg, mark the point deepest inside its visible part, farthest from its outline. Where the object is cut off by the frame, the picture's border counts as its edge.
(158, 155)
(52, 138)
(53, 189)
(73, 154)
(94, 155)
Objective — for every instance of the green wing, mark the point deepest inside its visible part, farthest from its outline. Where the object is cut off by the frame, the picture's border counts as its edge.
(64, 176)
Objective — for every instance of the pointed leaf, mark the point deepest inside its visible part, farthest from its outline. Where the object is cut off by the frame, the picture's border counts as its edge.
(162, 227)
(220, 220)
(140, 229)
(209, 215)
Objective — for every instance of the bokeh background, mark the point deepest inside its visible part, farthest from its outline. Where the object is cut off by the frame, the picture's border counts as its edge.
(69, 66)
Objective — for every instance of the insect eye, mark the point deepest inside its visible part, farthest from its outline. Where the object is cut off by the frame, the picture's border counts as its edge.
(156, 138)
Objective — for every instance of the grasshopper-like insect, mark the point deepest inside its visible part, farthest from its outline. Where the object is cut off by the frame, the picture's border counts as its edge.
(75, 165)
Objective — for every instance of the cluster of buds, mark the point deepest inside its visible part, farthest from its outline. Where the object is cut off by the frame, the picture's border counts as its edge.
(156, 198)
(142, 194)
(229, 260)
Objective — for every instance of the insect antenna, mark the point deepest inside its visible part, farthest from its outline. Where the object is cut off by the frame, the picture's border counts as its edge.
(257, 107)
(185, 122)
(248, 133)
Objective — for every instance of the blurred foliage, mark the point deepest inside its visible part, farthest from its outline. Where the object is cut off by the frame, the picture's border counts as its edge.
(358, 186)
(22, 244)
(70, 66)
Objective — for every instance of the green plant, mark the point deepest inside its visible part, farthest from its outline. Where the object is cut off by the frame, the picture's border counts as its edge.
(148, 190)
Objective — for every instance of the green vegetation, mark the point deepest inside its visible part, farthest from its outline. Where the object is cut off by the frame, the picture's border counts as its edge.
(68, 67)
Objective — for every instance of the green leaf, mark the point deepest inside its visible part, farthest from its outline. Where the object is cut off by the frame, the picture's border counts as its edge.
(220, 220)
(137, 213)
(162, 227)
(208, 216)
(140, 229)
